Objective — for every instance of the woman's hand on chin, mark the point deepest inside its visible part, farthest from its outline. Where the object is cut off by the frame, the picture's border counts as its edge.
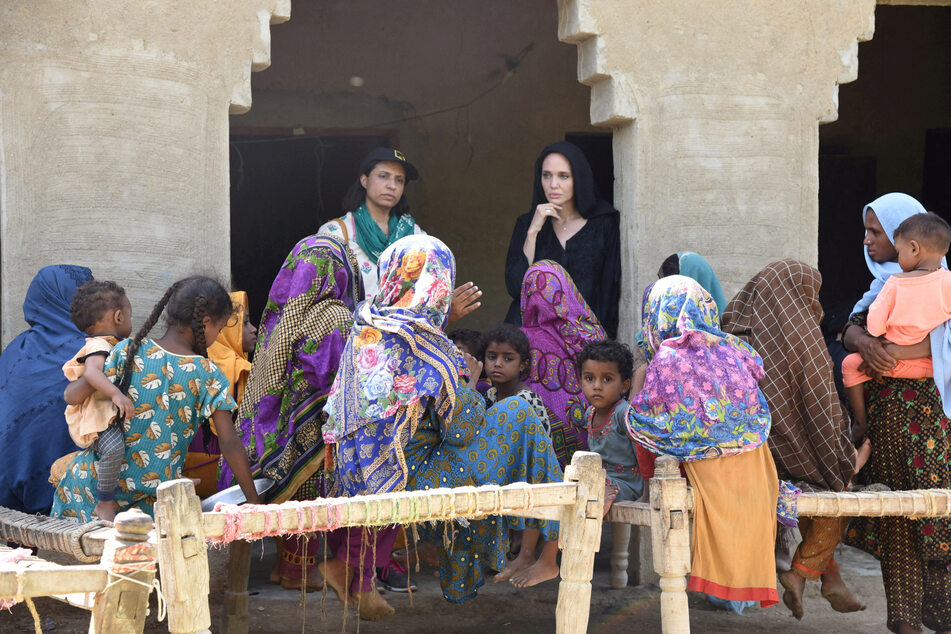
(543, 212)
(465, 299)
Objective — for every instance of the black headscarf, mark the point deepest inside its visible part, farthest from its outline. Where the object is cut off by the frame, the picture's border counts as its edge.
(586, 199)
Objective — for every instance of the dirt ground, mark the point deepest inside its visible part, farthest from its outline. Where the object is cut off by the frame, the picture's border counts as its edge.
(502, 608)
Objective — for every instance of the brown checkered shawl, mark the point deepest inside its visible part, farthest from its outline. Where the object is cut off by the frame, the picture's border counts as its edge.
(778, 313)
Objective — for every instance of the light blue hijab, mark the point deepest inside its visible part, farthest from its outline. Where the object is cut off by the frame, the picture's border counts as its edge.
(891, 209)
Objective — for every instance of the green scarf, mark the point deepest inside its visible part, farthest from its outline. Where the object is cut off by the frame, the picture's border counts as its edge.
(372, 240)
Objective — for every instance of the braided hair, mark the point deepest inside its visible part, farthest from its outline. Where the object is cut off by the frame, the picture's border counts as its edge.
(188, 302)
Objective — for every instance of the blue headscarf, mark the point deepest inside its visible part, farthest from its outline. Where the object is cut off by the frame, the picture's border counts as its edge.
(396, 365)
(33, 431)
(696, 267)
(890, 209)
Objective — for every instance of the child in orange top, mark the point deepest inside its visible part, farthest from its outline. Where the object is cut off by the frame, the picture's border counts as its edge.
(102, 311)
(909, 306)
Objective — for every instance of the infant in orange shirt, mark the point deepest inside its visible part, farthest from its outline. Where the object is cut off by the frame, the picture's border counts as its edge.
(910, 305)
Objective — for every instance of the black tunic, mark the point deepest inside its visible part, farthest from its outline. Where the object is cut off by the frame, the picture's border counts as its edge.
(592, 257)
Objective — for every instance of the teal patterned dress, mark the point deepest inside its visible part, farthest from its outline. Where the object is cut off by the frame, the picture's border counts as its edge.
(172, 394)
(501, 445)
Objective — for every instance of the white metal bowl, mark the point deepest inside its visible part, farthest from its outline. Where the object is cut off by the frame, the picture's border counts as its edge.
(234, 495)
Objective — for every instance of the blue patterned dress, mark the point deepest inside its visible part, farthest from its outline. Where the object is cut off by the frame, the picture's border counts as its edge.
(172, 394)
(501, 445)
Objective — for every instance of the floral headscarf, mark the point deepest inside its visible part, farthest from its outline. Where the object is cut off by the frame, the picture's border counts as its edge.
(558, 323)
(701, 397)
(397, 364)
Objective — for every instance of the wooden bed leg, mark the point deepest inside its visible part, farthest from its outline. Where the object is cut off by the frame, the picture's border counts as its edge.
(580, 538)
(183, 560)
(620, 552)
(123, 605)
(236, 594)
(670, 531)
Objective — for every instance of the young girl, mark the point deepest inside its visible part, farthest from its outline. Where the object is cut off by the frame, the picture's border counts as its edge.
(103, 312)
(174, 388)
(910, 305)
(506, 360)
(507, 357)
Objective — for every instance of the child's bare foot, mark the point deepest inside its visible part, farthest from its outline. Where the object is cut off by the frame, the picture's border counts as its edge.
(541, 570)
(792, 597)
(373, 607)
(838, 595)
(105, 511)
(862, 454)
(524, 560)
(611, 491)
(338, 576)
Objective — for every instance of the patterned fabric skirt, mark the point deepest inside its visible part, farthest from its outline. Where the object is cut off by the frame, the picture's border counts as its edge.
(510, 446)
(909, 435)
(569, 432)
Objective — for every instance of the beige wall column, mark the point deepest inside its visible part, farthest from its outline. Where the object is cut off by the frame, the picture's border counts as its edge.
(114, 137)
(716, 107)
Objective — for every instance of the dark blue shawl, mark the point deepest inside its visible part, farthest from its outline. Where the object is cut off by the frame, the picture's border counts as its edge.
(33, 430)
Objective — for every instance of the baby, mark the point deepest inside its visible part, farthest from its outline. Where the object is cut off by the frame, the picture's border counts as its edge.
(908, 308)
(103, 312)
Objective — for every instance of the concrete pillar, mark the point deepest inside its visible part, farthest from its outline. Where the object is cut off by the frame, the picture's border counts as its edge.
(715, 107)
(114, 138)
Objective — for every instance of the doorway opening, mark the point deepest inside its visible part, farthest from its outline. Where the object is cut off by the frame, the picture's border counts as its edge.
(893, 134)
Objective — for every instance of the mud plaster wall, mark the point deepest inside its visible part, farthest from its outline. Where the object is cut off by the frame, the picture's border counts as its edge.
(113, 138)
(424, 56)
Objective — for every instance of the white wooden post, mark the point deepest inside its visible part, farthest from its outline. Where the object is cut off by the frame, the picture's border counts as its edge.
(670, 531)
(620, 551)
(580, 538)
(123, 605)
(183, 559)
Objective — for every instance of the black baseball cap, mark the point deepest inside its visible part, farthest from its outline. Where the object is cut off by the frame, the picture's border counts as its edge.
(389, 154)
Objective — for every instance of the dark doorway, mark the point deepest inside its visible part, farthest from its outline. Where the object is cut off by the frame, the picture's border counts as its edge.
(283, 187)
(599, 151)
(846, 185)
(936, 181)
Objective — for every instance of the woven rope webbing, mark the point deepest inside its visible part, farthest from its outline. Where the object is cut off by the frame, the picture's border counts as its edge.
(46, 533)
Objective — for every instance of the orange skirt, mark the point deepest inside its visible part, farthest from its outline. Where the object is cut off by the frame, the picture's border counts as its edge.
(734, 527)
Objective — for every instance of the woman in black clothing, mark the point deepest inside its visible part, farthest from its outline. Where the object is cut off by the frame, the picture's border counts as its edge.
(569, 225)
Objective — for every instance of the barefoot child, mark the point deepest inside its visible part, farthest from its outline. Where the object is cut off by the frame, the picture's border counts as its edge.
(606, 369)
(174, 389)
(908, 308)
(103, 312)
(506, 359)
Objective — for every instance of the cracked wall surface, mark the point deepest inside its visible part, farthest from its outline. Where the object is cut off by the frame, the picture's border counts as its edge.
(114, 137)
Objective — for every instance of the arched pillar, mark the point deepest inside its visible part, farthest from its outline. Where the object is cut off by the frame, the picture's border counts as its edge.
(715, 108)
(114, 137)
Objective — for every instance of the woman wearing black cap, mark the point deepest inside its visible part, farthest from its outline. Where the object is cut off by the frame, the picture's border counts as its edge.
(378, 215)
(569, 225)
